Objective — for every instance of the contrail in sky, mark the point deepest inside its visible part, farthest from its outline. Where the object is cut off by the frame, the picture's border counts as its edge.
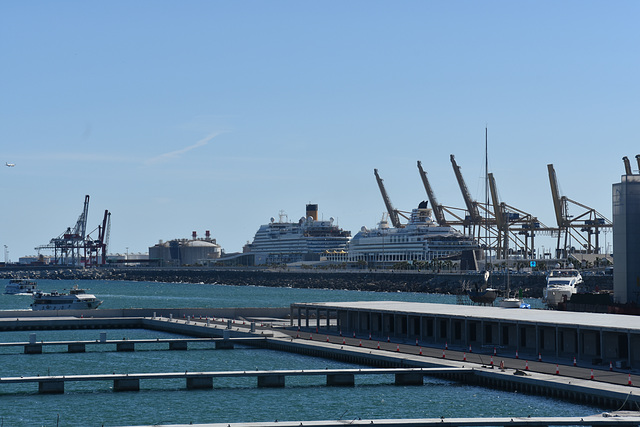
(173, 154)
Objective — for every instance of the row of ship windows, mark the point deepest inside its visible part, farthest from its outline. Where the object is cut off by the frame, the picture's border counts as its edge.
(412, 256)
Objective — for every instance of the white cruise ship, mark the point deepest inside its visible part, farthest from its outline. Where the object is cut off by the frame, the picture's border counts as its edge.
(305, 240)
(420, 240)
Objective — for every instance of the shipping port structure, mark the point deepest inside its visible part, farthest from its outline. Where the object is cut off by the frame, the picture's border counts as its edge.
(76, 247)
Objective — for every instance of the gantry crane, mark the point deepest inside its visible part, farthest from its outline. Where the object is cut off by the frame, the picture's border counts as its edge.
(590, 221)
(75, 246)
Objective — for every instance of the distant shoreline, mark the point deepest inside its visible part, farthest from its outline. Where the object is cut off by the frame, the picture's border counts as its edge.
(376, 281)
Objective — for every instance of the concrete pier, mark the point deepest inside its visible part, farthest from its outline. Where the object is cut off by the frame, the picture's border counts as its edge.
(199, 380)
(126, 384)
(76, 348)
(197, 383)
(33, 349)
(595, 338)
(51, 387)
(271, 381)
(126, 346)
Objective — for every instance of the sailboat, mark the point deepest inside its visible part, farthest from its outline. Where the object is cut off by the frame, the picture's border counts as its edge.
(485, 295)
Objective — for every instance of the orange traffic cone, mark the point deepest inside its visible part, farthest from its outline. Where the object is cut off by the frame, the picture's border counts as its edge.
(516, 354)
(526, 365)
(629, 383)
(343, 341)
(360, 344)
(446, 347)
(311, 337)
(539, 357)
(591, 374)
(378, 345)
(464, 357)
(388, 338)
(369, 335)
(574, 361)
(397, 347)
(327, 338)
(420, 351)
(557, 369)
(416, 341)
(470, 351)
(443, 355)
(491, 361)
(494, 351)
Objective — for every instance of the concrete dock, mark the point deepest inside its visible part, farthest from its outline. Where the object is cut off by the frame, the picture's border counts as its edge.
(201, 380)
(606, 419)
(616, 390)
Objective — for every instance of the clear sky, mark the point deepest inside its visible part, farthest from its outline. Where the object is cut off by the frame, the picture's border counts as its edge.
(216, 115)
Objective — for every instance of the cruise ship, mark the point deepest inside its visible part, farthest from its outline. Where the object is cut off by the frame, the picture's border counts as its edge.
(306, 240)
(419, 240)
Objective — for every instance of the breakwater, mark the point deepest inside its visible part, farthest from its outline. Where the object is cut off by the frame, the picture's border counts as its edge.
(361, 280)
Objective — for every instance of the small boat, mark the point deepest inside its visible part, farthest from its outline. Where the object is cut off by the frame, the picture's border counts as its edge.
(562, 283)
(76, 299)
(21, 286)
(483, 295)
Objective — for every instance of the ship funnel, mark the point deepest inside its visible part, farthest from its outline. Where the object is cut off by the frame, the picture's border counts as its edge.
(194, 235)
(312, 211)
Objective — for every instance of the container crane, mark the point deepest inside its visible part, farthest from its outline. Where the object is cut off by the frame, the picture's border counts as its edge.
(589, 221)
(75, 246)
(472, 205)
(393, 213)
(438, 210)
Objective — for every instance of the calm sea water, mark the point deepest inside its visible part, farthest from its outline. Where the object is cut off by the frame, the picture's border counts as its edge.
(231, 400)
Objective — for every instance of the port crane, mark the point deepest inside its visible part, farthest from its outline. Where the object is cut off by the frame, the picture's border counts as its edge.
(75, 246)
(394, 214)
(589, 221)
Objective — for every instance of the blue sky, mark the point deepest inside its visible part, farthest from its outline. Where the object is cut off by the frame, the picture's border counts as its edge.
(215, 115)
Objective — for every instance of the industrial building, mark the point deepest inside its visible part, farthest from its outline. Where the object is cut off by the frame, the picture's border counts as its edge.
(626, 237)
(179, 252)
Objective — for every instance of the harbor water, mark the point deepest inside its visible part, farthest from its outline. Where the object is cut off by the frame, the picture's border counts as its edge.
(231, 400)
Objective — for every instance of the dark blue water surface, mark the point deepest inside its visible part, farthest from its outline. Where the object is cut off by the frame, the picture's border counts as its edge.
(231, 400)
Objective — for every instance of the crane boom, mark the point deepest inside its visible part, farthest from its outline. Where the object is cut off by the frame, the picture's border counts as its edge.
(558, 203)
(497, 210)
(437, 208)
(472, 206)
(80, 229)
(393, 214)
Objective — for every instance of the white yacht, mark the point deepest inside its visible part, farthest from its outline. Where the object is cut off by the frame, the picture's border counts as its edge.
(306, 240)
(21, 286)
(76, 299)
(422, 239)
(562, 283)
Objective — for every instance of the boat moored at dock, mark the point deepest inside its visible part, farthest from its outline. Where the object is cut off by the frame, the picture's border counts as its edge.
(562, 283)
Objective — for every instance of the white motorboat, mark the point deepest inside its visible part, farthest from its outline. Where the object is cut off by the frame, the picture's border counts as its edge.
(76, 299)
(562, 283)
(21, 286)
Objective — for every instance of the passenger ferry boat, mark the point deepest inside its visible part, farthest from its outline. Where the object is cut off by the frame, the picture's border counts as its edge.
(562, 283)
(305, 240)
(76, 299)
(21, 286)
(420, 240)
